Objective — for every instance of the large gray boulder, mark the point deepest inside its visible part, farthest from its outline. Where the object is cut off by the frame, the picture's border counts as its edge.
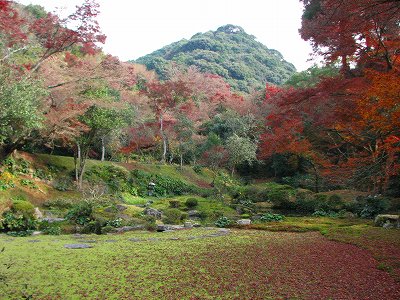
(153, 212)
(193, 214)
(168, 227)
(388, 221)
(243, 222)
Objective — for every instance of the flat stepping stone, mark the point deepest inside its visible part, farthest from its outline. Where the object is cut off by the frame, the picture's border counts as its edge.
(192, 237)
(153, 239)
(34, 241)
(77, 246)
(174, 239)
(135, 240)
(89, 241)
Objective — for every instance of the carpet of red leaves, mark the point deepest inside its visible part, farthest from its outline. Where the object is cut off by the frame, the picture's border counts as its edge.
(292, 266)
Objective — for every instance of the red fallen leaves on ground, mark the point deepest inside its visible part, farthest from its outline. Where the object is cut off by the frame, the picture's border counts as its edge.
(384, 245)
(293, 266)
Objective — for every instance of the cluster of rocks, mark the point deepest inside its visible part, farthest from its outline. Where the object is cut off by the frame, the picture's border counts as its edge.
(169, 227)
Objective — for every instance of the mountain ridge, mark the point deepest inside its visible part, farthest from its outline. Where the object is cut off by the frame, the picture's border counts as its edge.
(229, 52)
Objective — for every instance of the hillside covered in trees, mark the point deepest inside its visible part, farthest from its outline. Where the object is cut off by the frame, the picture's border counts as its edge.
(217, 131)
(229, 52)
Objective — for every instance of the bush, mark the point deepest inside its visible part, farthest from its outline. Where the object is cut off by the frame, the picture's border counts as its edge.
(184, 216)
(203, 215)
(172, 216)
(282, 199)
(63, 183)
(11, 221)
(24, 207)
(369, 207)
(114, 223)
(94, 226)
(191, 203)
(61, 203)
(150, 223)
(269, 217)
(222, 222)
(197, 169)
(323, 213)
(81, 213)
(107, 229)
(116, 178)
(174, 203)
(28, 183)
(19, 218)
(52, 230)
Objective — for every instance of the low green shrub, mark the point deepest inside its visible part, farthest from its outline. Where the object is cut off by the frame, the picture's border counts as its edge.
(94, 226)
(368, 207)
(81, 213)
(60, 203)
(107, 229)
(282, 199)
(42, 174)
(165, 185)
(28, 183)
(174, 203)
(49, 228)
(197, 169)
(63, 183)
(16, 222)
(114, 223)
(150, 223)
(184, 216)
(116, 178)
(323, 213)
(191, 203)
(222, 222)
(172, 216)
(269, 217)
(24, 207)
(52, 230)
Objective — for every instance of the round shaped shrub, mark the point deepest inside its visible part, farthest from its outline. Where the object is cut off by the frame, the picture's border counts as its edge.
(222, 222)
(191, 202)
(172, 216)
(174, 203)
(24, 207)
(269, 217)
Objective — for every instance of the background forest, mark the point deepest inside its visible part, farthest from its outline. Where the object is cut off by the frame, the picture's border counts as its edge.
(326, 128)
(217, 130)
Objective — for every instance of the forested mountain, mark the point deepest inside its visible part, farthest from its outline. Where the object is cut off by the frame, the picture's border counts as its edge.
(229, 52)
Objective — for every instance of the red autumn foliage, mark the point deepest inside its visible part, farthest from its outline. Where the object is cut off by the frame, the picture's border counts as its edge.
(366, 30)
(11, 24)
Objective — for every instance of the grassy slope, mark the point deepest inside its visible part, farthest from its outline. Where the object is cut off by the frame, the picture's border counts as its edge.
(66, 166)
(242, 265)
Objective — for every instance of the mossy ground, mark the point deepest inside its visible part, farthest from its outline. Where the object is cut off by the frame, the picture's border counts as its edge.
(193, 264)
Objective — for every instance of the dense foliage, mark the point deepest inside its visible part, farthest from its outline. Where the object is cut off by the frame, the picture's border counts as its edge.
(228, 52)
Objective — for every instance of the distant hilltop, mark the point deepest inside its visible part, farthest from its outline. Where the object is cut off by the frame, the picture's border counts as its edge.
(230, 52)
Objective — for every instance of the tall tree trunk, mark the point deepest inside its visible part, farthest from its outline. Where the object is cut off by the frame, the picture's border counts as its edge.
(103, 149)
(164, 139)
(316, 180)
(77, 159)
(181, 157)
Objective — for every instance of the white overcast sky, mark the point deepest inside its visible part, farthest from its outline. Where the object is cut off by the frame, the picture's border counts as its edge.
(135, 28)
